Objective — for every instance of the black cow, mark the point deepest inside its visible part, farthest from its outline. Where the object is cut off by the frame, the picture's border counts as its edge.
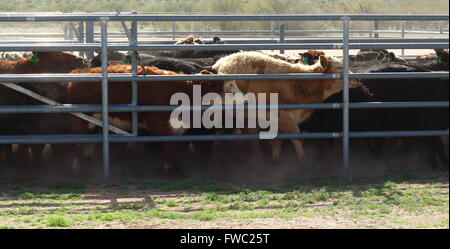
(172, 64)
(413, 118)
(438, 63)
(113, 56)
(166, 63)
(203, 57)
(330, 120)
(391, 119)
(381, 55)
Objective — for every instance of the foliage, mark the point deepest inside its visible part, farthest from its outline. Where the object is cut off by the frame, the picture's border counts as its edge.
(239, 6)
(232, 6)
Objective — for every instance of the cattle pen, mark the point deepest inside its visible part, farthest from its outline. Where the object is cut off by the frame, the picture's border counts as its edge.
(90, 44)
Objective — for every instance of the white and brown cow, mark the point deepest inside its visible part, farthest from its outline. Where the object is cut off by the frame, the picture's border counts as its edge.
(289, 91)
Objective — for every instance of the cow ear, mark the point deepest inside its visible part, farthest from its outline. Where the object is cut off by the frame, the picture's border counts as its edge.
(305, 54)
(42, 54)
(391, 57)
(34, 58)
(205, 72)
(307, 58)
(324, 62)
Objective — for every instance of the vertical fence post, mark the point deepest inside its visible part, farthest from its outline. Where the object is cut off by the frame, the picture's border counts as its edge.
(70, 32)
(174, 25)
(346, 110)
(66, 34)
(272, 29)
(134, 85)
(105, 115)
(403, 36)
(81, 35)
(90, 37)
(281, 36)
(376, 27)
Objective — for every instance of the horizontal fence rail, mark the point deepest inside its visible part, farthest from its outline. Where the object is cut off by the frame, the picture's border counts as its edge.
(62, 139)
(214, 47)
(264, 17)
(263, 40)
(125, 77)
(266, 32)
(225, 33)
(69, 108)
(345, 43)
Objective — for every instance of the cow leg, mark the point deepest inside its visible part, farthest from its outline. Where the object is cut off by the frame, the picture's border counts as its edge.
(319, 149)
(38, 162)
(276, 150)
(438, 149)
(74, 161)
(375, 147)
(298, 144)
(158, 125)
(8, 152)
(23, 163)
(36, 152)
(203, 150)
(77, 126)
(445, 155)
(61, 155)
(170, 150)
(118, 155)
(287, 124)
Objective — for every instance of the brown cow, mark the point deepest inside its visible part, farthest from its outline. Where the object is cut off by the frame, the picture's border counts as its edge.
(40, 62)
(191, 40)
(150, 93)
(43, 62)
(289, 91)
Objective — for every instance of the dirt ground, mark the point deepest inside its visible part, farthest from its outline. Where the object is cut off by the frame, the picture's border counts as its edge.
(396, 201)
(278, 223)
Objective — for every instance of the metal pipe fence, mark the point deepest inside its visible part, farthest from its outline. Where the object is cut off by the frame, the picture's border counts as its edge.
(277, 34)
(216, 47)
(207, 17)
(64, 139)
(173, 34)
(152, 34)
(253, 41)
(345, 43)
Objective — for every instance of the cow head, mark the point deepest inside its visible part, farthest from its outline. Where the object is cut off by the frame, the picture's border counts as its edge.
(442, 56)
(335, 65)
(55, 62)
(188, 40)
(198, 41)
(215, 86)
(331, 64)
(310, 57)
(217, 40)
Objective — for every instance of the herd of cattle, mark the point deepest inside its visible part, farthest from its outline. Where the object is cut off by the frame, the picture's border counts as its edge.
(227, 62)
